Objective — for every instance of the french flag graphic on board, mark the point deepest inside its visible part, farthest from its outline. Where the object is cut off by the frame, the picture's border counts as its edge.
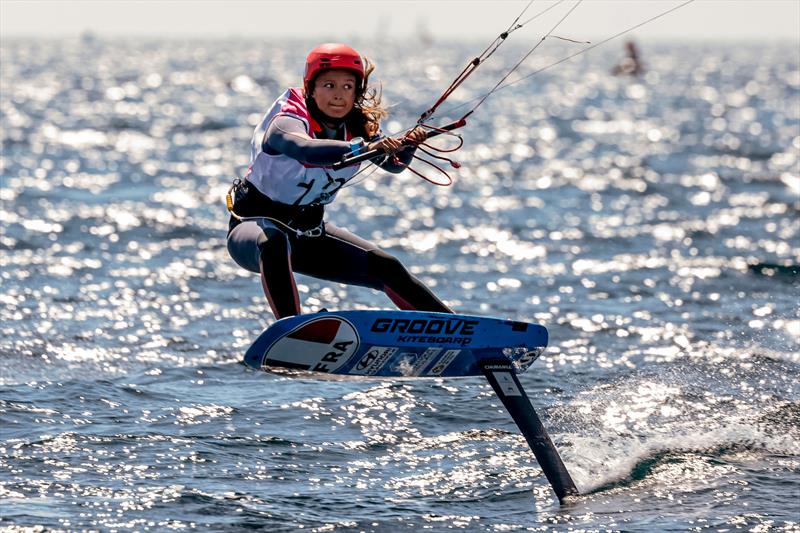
(322, 344)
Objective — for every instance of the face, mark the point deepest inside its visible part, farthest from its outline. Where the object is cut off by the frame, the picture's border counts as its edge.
(335, 92)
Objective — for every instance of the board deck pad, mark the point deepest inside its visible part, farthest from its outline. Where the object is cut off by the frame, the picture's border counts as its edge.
(395, 343)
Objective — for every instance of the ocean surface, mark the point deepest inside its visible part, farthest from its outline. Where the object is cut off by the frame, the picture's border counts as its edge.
(652, 224)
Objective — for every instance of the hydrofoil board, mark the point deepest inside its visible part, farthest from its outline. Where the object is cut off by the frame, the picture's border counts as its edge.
(395, 343)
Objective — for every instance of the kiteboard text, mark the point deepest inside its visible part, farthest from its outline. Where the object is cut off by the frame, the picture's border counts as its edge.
(458, 331)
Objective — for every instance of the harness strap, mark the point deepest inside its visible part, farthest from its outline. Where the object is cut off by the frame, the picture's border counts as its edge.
(319, 231)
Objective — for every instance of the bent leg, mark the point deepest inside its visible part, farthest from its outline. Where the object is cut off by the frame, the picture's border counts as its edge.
(277, 278)
(343, 257)
(404, 289)
(259, 246)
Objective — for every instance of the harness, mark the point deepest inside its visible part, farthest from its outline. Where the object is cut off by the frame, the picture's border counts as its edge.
(238, 185)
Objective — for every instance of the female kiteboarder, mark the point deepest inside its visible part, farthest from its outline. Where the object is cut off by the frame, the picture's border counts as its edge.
(277, 225)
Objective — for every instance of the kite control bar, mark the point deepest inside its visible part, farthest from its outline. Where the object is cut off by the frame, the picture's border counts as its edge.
(353, 159)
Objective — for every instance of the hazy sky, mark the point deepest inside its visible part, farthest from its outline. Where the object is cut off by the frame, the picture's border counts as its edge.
(340, 20)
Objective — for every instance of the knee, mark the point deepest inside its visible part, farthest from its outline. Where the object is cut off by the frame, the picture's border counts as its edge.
(385, 267)
(243, 245)
(250, 243)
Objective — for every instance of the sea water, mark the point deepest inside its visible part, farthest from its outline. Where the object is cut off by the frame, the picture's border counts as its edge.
(651, 224)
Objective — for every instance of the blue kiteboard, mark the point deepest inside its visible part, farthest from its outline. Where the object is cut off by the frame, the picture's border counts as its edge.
(418, 344)
(395, 344)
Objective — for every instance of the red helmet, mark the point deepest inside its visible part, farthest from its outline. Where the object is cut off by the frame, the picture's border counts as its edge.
(332, 56)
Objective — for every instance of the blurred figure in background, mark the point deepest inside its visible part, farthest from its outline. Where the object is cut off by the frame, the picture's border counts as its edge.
(632, 64)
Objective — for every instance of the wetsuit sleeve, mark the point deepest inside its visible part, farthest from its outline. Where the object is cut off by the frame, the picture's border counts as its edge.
(287, 135)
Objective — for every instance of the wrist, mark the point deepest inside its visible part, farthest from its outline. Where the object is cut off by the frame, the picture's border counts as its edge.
(357, 146)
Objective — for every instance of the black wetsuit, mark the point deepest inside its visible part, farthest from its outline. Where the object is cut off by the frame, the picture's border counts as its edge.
(278, 249)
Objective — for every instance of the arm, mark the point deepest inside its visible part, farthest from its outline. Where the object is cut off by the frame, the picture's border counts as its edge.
(287, 135)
